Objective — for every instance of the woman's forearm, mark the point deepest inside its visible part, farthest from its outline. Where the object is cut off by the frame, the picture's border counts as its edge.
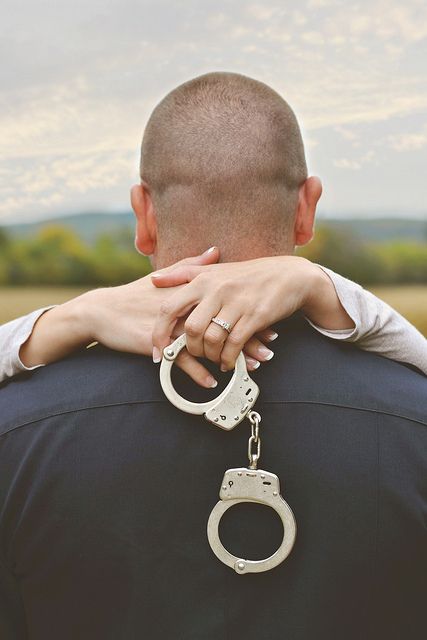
(323, 307)
(72, 325)
(57, 333)
(377, 326)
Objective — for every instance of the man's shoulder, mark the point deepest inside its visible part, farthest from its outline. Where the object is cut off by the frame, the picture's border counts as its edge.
(310, 368)
(95, 377)
(307, 368)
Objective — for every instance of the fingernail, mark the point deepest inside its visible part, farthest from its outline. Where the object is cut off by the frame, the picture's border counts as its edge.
(251, 362)
(156, 355)
(267, 354)
(211, 382)
(272, 336)
(156, 275)
(210, 249)
(223, 367)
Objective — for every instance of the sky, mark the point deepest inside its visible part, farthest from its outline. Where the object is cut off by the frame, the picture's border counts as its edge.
(79, 80)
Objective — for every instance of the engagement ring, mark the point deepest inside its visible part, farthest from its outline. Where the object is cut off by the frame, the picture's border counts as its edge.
(222, 323)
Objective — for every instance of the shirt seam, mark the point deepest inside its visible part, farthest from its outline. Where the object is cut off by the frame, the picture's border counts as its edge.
(265, 402)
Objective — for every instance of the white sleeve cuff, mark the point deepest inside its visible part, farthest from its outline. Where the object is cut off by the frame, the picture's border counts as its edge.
(377, 326)
(350, 295)
(336, 334)
(12, 336)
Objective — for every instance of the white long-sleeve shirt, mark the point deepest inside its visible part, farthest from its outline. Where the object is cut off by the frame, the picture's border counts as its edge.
(378, 328)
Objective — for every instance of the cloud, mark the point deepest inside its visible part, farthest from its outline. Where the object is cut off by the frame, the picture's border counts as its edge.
(355, 164)
(383, 19)
(408, 141)
(347, 134)
(261, 12)
(313, 37)
(319, 4)
(82, 78)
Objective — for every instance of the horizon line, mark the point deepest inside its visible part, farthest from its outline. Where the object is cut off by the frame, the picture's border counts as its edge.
(374, 214)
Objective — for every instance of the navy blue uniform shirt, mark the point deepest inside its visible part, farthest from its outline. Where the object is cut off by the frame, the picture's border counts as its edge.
(106, 488)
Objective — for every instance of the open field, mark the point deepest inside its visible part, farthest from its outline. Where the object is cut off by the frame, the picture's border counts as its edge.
(16, 301)
(410, 301)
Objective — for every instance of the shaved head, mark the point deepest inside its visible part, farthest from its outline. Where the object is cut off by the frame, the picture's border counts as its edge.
(223, 159)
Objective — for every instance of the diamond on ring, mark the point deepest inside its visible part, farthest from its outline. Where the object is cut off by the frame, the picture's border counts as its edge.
(222, 323)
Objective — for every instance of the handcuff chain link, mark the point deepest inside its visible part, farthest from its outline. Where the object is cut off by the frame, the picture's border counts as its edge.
(255, 439)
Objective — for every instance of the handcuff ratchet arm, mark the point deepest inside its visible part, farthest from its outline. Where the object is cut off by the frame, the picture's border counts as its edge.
(229, 408)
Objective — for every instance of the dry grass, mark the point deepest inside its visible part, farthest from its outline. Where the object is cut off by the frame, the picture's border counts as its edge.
(17, 301)
(410, 301)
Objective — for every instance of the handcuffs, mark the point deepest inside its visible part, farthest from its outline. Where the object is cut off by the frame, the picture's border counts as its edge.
(241, 484)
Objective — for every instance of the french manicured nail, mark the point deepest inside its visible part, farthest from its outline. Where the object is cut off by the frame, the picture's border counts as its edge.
(156, 275)
(272, 336)
(251, 362)
(223, 367)
(211, 382)
(156, 355)
(266, 354)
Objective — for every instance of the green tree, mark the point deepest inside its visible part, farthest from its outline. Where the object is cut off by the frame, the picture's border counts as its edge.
(348, 256)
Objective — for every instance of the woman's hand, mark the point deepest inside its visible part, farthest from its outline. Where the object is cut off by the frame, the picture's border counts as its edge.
(120, 318)
(250, 296)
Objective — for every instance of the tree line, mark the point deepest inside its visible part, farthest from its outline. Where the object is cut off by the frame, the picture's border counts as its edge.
(56, 255)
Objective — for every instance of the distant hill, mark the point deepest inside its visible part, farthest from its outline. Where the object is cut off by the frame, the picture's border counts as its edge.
(87, 225)
(90, 225)
(381, 229)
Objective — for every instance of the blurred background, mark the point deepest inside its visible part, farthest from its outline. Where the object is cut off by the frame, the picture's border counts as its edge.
(79, 80)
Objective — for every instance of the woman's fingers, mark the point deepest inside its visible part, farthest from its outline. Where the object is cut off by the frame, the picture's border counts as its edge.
(179, 328)
(257, 350)
(213, 341)
(184, 270)
(210, 256)
(216, 336)
(205, 337)
(171, 309)
(197, 372)
(190, 365)
(198, 323)
(254, 350)
(267, 335)
(241, 333)
(177, 275)
(251, 363)
(201, 376)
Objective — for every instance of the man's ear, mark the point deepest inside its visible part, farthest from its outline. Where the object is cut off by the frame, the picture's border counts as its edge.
(308, 197)
(146, 224)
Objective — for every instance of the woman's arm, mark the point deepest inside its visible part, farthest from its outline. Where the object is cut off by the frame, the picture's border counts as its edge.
(120, 318)
(377, 326)
(123, 317)
(250, 294)
(12, 336)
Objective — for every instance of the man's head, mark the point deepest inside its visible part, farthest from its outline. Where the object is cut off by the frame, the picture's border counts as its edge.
(222, 163)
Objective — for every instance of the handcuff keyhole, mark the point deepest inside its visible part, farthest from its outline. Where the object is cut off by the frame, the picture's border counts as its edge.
(248, 392)
(230, 483)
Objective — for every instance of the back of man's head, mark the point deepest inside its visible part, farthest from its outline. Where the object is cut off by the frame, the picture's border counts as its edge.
(224, 152)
